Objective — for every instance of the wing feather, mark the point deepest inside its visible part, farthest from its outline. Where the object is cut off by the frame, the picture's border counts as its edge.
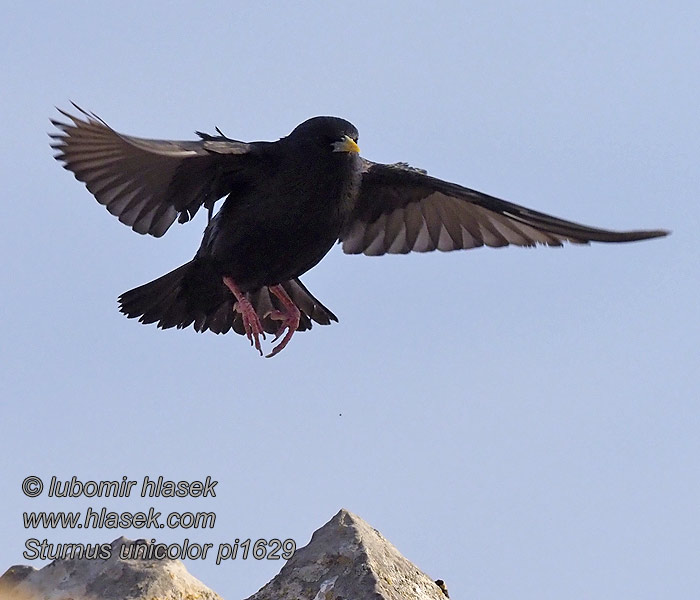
(146, 183)
(401, 209)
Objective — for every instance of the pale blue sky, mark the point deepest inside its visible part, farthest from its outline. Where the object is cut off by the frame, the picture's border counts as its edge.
(520, 423)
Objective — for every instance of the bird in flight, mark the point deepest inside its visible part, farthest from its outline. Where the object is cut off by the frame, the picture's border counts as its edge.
(286, 204)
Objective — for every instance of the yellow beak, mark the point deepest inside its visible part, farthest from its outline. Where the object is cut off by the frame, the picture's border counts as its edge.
(347, 144)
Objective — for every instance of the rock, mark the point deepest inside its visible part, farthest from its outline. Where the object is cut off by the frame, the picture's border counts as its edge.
(347, 559)
(111, 579)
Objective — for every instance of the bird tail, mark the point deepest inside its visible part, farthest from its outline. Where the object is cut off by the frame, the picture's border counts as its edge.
(194, 294)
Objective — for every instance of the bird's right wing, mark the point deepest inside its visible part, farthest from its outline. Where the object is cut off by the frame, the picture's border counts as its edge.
(147, 184)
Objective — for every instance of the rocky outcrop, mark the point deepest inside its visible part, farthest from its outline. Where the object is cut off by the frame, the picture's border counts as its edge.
(111, 579)
(346, 559)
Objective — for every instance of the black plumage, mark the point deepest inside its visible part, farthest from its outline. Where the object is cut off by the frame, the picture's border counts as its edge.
(286, 204)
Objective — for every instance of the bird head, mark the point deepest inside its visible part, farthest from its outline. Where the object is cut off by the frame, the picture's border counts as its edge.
(328, 133)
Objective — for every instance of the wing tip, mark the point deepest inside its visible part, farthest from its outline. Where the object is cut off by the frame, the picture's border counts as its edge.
(636, 236)
(90, 118)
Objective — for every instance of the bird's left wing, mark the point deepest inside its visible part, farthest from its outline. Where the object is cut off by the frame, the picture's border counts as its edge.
(401, 209)
(146, 183)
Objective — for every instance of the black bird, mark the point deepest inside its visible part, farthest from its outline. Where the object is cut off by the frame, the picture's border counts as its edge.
(287, 203)
(443, 588)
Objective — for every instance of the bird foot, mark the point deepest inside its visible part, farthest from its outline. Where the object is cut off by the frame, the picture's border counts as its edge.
(290, 317)
(290, 322)
(277, 315)
(251, 322)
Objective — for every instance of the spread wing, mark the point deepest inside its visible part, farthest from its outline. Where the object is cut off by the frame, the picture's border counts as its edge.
(147, 184)
(401, 209)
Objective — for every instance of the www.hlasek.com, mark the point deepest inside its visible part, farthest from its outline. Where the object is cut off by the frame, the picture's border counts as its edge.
(106, 519)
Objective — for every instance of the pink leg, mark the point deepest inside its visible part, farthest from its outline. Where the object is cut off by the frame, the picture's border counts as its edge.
(289, 316)
(251, 322)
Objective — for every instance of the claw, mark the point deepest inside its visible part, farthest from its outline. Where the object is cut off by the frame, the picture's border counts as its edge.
(251, 322)
(289, 316)
(278, 315)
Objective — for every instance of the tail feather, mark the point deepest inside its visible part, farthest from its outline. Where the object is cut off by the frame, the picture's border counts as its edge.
(307, 303)
(194, 294)
(152, 301)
